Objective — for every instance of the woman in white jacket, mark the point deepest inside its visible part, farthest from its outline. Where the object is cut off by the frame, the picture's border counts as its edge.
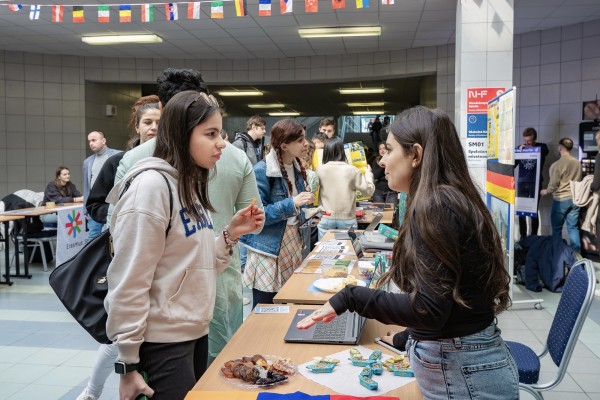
(338, 183)
(162, 279)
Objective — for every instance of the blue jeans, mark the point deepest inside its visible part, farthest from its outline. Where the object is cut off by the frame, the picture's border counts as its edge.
(478, 366)
(565, 210)
(327, 223)
(94, 229)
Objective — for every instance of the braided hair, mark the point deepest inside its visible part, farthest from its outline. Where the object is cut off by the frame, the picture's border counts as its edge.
(283, 132)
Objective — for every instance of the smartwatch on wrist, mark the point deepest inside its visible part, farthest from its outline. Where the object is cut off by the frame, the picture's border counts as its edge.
(121, 368)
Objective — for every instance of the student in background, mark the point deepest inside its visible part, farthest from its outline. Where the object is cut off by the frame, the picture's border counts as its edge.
(162, 284)
(562, 171)
(277, 250)
(61, 189)
(143, 121)
(448, 263)
(383, 193)
(338, 183)
(319, 140)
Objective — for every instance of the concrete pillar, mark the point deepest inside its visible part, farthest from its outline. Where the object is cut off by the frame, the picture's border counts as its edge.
(484, 58)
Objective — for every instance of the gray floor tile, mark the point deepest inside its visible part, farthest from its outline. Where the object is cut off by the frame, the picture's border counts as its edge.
(588, 382)
(7, 389)
(40, 392)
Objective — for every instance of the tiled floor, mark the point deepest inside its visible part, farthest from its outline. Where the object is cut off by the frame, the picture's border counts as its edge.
(45, 354)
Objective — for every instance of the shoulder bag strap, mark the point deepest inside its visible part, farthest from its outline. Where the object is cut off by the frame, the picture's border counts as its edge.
(128, 183)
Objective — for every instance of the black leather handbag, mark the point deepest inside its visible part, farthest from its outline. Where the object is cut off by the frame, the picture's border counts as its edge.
(81, 284)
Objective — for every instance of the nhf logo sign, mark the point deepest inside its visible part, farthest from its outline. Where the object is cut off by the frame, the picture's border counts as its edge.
(477, 99)
(73, 226)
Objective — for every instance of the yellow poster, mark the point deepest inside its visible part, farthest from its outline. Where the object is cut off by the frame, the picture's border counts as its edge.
(355, 153)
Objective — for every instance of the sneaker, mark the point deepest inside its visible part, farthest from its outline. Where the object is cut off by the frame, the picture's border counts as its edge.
(86, 396)
(245, 301)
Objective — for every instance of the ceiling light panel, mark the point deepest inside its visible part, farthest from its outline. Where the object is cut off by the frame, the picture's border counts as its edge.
(370, 104)
(119, 39)
(240, 93)
(309, 33)
(362, 91)
(271, 105)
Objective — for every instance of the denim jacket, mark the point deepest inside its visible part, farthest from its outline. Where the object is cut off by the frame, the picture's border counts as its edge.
(278, 205)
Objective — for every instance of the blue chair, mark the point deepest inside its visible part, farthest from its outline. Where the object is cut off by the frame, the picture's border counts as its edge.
(573, 307)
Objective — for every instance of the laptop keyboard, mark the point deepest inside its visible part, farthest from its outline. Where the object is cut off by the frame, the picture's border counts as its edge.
(335, 329)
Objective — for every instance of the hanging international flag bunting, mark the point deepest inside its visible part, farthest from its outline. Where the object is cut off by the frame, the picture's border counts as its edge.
(216, 9)
(103, 14)
(78, 17)
(57, 13)
(125, 13)
(240, 8)
(387, 2)
(264, 8)
(362, 3)
(34, 12)
(194, 10)
(311, 6)
(171, 11)
(147, 12)
(14, 7)
(337, 4)
(286, 6)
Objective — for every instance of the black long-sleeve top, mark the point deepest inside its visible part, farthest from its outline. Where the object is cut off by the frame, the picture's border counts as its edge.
(53, 193)
(381, 182)
(96, 204)
(443, 317)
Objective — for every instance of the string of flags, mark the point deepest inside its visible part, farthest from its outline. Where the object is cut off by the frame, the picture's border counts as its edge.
(146, 10)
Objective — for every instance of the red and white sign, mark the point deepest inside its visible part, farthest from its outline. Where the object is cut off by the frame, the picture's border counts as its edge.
(477, 99)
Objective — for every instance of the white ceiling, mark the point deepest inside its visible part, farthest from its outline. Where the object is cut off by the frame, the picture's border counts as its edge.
(406, 24)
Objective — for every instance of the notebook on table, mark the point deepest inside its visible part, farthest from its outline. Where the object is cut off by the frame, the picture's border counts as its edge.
(344, 329)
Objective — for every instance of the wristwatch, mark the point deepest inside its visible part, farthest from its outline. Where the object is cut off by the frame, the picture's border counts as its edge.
(122, 368)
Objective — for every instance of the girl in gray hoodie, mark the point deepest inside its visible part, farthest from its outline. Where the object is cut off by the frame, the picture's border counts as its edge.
(162, 278)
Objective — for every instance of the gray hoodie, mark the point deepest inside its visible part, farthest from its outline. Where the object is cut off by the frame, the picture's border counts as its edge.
(160, 289)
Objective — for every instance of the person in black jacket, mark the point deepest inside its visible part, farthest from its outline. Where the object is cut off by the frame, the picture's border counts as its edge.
(61, 189)
(447, 262)
(144, 121)
(383, 193)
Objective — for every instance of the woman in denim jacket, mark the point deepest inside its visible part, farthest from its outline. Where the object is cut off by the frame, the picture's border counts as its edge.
(277, 250)
(448, 262)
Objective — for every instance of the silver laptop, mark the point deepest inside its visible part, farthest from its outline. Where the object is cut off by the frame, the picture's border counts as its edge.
(371, 227)
(344, 329)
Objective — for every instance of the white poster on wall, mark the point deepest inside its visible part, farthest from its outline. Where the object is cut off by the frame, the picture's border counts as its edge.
(71, 233)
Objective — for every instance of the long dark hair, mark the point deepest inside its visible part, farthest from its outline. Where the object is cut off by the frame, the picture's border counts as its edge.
(440, 182)
(287, 131)
(182, 114)
(67, 190)
(334, 150)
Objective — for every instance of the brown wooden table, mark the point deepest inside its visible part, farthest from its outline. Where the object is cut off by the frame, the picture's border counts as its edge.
(388, 216)
(263, 334)
(5, 219)
(30, 212)
(296, 289)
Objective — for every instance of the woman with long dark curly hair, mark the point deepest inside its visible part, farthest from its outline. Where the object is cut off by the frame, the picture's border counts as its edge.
(448, 263)
(277, 250)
